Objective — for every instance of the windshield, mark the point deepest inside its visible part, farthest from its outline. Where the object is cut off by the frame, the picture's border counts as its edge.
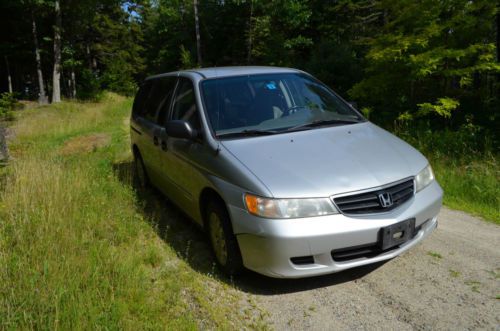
(272, 103)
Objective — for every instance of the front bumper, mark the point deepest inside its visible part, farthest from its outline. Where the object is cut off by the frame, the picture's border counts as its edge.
(267, 246)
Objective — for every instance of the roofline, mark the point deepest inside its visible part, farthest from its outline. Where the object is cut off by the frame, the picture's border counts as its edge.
(199, 71)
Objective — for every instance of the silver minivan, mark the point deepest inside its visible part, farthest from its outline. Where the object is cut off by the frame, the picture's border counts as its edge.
(286, 177)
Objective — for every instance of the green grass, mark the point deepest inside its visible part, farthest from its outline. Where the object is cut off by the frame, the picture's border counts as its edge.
(474, 285)
(76, 252)
(466, 166)
(473, 187)
(435, 255)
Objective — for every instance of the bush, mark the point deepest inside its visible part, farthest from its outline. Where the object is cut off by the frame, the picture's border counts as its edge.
(88, 86)
(8, 103)
(118, 78)
(467, 142)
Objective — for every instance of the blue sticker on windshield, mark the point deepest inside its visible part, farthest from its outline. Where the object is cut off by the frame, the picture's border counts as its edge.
(271, 86)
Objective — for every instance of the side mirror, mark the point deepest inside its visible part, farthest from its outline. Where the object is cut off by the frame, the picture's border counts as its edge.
(353, 104)
(181, 129)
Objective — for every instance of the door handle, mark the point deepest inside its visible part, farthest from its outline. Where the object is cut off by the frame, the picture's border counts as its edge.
(155, 140)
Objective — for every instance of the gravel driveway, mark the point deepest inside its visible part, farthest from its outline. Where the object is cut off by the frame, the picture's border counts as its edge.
(450, 281)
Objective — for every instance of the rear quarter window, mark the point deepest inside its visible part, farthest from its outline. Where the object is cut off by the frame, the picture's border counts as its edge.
(140, 99)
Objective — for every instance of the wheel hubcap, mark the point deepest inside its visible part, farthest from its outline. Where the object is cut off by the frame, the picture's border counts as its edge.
(218, 239)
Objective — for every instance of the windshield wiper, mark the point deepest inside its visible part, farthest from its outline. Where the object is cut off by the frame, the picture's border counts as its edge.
(317, 123)
(247, 133)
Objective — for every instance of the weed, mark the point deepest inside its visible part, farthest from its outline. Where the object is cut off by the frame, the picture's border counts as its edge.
(474, 285)
(454, 273)
(494, 274)
(434, 254)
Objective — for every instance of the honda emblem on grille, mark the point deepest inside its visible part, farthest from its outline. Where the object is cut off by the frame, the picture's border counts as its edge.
(385, 199)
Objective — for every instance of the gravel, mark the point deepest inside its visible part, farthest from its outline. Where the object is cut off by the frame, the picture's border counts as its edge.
(450, 281)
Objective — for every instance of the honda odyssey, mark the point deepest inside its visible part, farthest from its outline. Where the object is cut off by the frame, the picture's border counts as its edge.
(287, 178)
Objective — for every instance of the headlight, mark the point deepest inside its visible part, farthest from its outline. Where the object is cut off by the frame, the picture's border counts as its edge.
(424, 178)
(289, 208)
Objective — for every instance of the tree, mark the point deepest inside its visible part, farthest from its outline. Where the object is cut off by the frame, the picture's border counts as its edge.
(9, 77)
(42, 96)
(432, 53)
(56, 73)
(197, 28)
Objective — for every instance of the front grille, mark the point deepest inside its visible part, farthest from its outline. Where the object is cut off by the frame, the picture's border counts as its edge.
(370, 202)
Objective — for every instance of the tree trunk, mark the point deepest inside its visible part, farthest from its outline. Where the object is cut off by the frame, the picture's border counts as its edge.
(4, 150)
(250, 34)
(56, 75)
(42, 95)
(197, 26)
(9, 78)
(73, 83)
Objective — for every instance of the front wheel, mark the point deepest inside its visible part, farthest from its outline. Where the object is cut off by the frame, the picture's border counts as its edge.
(224, 245)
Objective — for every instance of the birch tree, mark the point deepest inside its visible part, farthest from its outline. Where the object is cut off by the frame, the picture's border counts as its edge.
(42, 96)
(56, 73)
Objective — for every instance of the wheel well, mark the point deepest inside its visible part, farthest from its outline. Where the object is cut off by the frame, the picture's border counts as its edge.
(207, 195)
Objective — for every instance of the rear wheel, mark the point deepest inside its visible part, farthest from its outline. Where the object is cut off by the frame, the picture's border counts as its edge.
(223, 241)
(141, 176)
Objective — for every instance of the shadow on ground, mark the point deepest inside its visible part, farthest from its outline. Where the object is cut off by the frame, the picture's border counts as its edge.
(191, 245)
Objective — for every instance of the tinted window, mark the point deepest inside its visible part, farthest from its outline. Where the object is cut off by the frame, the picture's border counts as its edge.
(159, 97)
(271, 102)
(167, 87)
(141, 98)
(184, 107)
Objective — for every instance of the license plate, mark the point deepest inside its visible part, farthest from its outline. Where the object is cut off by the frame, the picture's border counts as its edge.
(397, 234)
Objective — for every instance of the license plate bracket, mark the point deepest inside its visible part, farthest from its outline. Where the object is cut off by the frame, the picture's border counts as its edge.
(396, 234)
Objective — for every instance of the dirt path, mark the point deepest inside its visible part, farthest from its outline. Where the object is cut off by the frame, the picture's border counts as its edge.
(450, 281)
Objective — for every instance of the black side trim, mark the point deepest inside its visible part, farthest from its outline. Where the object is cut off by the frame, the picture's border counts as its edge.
(135, 130)
(301, 260)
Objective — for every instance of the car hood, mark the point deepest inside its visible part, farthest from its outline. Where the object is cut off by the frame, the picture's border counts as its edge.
(327, 161)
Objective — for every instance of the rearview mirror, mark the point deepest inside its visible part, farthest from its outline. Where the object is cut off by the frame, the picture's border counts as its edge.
(181, 129)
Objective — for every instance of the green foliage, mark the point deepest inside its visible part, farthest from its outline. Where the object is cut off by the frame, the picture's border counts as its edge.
(465, 162)
(88, 86)
(187, 61)
(8, 103)
(443, 107)
(118, 78)
(427, 51)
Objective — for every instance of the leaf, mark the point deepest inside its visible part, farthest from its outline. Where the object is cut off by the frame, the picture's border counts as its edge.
(443, 107)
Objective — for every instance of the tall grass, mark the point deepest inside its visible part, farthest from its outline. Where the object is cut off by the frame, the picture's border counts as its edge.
(466, 165)
(75, 252)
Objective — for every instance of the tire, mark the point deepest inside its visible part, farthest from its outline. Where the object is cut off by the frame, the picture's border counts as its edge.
(141, 176)
(222, 240)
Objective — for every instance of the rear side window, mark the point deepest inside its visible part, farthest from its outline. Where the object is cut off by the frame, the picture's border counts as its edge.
(167, 86)
(140, 99)
(184, 107)
(159, 97)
